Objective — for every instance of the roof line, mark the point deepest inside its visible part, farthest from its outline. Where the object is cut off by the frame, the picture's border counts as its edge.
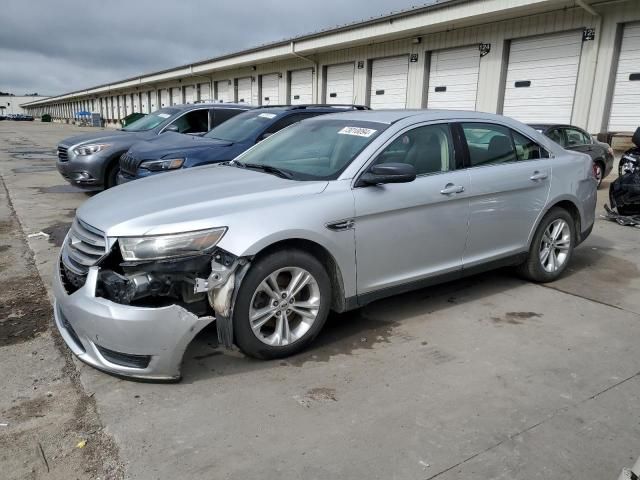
(435, 4)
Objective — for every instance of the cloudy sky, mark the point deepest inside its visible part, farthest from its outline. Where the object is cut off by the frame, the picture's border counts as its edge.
(52, 47)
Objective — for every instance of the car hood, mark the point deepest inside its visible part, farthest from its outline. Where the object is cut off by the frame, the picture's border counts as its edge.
(171, 143)
(103, 136)
(191, 199)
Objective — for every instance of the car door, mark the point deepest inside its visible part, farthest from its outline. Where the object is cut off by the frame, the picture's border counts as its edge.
(578, 141)
(221, 115)
(408, 232)
(194, 122)
(510, 179)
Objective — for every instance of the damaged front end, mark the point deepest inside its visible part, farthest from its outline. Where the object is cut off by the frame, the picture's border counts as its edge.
(185, 293)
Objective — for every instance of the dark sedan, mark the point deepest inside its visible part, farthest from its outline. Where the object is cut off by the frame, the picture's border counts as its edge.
(222, 144)
(574, 138)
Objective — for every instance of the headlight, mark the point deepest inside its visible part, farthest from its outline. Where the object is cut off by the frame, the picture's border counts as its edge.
(166, 246)
(162, 164)
(90, 149)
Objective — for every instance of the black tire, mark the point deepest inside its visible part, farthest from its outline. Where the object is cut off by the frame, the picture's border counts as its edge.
(532, 269)
(244, 337)
(111, 177)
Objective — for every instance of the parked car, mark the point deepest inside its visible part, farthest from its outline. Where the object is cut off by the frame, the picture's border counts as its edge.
(576, 139)
(90, 161)
(222, 144)
(331, 213)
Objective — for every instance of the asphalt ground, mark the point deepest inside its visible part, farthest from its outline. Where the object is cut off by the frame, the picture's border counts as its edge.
(487, 377)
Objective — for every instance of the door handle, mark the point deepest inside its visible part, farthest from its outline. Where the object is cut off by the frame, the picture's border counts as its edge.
(538, 176)
(450, 188)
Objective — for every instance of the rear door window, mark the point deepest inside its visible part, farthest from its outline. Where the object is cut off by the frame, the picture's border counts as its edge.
(488, 144)
(220, 115)
(491, 144)
(195, 121)
(557, 135)
(289, 120)
(576, 137)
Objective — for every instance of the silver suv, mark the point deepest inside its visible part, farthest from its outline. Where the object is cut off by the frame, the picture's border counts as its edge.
(328, 214)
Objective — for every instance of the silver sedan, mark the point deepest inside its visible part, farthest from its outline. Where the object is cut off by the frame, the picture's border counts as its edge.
(328, 214)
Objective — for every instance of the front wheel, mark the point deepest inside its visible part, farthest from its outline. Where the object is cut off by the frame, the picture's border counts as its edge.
(111, 177)
(282, 304)
(551, 248)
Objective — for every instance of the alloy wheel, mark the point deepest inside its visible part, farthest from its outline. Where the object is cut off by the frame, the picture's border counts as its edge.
(284, 306)
(555, 245)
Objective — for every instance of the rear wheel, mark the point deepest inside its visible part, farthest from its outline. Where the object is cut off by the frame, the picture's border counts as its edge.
(282, 304)
(551, 248)
(598, 172)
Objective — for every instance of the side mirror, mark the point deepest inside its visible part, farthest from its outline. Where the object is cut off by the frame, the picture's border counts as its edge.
(388, 173)
(172, 128)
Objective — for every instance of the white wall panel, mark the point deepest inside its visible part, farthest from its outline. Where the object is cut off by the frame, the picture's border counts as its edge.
(301, 87)
(541, 77)
(339, 83)
(270, 90)
(625, 105)
(176, 96)
(244, 90)
(205, 91)
(389, 82)
(453, 78)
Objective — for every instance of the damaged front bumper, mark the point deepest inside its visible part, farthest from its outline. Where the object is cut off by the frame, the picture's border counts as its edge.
(138, 342)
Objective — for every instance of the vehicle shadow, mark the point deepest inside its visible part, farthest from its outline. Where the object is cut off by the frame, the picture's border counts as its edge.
(370, 327)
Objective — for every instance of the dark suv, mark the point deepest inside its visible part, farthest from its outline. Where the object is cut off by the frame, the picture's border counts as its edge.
(90, 161)
(222, 144)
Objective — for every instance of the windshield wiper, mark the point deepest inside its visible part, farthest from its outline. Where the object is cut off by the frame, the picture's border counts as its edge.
(265, 168)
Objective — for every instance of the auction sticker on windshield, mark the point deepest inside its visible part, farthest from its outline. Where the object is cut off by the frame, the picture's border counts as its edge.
(357, 131)
(267, 115)
(164, 115)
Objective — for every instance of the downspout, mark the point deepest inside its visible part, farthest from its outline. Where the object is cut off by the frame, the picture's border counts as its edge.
(315, 69)
(589, 9)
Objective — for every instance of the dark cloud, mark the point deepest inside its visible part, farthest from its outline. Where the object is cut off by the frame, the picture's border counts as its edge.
(55, 47)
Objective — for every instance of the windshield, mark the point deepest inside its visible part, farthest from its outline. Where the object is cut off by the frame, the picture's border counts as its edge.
(313, 149)
(151, 120)
(242, 127)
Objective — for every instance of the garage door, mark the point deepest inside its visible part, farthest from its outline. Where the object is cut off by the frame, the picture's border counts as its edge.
(121, 109)
(205, 91)
(270, 90)
(189, 94)
(301, 86)
(389, 82)
(625, 105)
(340, 83)
(136, 102)
(176, 96)
(244, 90)
(128, 105)
(164, 98)
(541, 78)
(144, 102)
(223, 90)
(453, 78)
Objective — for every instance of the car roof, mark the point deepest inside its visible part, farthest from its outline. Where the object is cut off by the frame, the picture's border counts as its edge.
(418, 115)
(546, 126)
(191, 106)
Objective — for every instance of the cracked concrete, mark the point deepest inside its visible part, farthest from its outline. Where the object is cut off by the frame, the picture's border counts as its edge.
(488, 377)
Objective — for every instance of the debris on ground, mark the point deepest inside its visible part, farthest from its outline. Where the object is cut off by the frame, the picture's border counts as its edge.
(625, 220)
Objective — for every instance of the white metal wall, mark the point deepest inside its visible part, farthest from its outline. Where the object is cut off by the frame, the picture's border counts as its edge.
(625, 105)
(453, 78)
(594, 81)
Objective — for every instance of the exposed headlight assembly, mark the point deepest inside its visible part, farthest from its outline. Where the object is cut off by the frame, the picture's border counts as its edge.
(162, 164)
(90, 149)
(168, 246)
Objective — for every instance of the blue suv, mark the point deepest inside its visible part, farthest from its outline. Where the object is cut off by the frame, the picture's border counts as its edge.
(222, 144)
